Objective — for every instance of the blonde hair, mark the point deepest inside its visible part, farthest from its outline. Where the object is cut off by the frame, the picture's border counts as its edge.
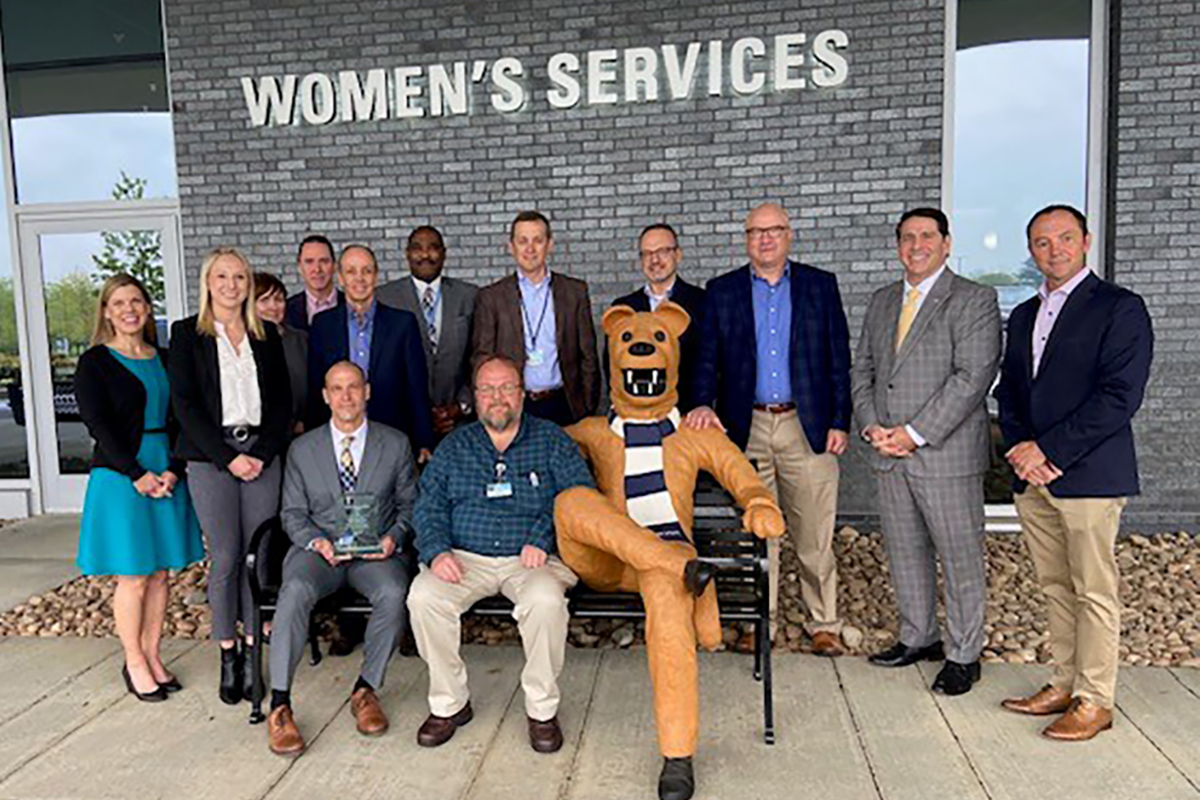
(204, 320)
(102, 331)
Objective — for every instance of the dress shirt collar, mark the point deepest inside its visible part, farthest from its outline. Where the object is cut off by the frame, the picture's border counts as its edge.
(785, 277)
(359, 434)
(315, 306)
(368, 316)
(1068, 287)
(421, 286)
(525, 283)
(924, 286)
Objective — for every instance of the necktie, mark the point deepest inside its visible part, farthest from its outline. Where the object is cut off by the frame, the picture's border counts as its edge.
(347, 474)
(908, 312)
(428, 302)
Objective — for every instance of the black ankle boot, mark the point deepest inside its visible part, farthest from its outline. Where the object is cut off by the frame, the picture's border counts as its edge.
(232, 669)
(676, 781)
(247, 673)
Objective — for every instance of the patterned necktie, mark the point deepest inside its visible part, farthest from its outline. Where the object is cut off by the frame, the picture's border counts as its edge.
(428, 303)
(347, 474)
(908, 312)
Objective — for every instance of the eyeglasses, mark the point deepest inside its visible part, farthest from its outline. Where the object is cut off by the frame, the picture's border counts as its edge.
(508, 390)
(662, 252)
(774, 232)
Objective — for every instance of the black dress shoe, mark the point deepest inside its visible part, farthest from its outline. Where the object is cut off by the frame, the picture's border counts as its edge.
(676, 782)
(901, 655)
(156, 696)
(232, 675)
(955, 678)
(697, 575)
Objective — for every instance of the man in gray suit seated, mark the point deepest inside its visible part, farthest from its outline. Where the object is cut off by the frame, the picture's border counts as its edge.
(347, 455)
(444, 308)
(928, 353)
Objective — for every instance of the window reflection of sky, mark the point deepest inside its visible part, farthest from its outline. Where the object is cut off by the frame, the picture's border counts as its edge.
(79, 157)
(1020, 143)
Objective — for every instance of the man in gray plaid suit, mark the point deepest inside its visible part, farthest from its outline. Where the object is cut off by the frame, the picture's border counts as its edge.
(928, 352)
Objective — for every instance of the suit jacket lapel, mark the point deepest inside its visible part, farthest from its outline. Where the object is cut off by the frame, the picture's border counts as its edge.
(327, 465)
(370, 460)
(379, 329)
(562, 315)
(1072, 311)
(744, 303)
(930, 308)
(885, 328)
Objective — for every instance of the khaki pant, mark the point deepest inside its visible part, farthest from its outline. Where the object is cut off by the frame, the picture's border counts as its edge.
(806, 486)
(1071, 541)
(539, 606)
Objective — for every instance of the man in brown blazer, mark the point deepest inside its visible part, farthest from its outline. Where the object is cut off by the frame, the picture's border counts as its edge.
(543, 322)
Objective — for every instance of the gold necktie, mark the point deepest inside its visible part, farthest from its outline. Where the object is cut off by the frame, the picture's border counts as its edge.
(908, 312)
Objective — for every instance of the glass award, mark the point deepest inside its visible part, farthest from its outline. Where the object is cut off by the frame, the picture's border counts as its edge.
(361, 533)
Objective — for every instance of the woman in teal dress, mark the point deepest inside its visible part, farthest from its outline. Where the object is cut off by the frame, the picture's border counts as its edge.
(138, 520)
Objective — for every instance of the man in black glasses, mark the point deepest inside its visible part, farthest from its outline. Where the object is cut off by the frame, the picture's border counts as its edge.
(659, 255)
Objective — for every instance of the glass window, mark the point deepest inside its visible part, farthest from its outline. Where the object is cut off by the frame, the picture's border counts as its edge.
(14, 455)
(87, 99)
(1021, 73)
(74, 266)
(1020, 132)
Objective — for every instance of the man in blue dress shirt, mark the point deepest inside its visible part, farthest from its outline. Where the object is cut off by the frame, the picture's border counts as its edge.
(774, 372)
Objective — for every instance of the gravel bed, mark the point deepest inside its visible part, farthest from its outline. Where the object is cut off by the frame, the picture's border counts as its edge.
(1160, 590)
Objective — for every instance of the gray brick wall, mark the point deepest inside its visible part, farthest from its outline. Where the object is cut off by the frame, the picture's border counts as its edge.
(845, 161)
(1157, 243)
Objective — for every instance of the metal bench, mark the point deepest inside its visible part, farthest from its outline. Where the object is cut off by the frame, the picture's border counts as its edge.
(741, 589)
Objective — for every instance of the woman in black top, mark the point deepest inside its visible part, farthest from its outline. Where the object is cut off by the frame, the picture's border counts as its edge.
(137, 519)
(229, 389)
(270, 301)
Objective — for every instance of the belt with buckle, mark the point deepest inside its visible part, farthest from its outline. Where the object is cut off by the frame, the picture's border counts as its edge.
(240, 433)
(542, 394)
(775, 408)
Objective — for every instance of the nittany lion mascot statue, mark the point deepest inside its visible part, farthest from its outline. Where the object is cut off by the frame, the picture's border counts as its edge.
(634, 534)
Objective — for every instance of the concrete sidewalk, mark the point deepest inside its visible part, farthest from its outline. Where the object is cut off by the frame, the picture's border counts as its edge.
(846, 730)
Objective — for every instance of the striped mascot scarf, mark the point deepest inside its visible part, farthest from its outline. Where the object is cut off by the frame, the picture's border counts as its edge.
(646, 498)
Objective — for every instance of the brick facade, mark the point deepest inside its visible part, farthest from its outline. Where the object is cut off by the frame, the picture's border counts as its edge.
(844, 160)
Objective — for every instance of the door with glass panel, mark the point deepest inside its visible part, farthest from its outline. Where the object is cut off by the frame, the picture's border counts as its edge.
(65, 261)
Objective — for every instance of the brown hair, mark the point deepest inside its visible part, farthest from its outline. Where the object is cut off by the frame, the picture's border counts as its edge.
(266, 283)
(103, 331)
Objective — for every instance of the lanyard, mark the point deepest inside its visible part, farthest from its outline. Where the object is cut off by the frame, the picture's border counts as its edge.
(533, 337)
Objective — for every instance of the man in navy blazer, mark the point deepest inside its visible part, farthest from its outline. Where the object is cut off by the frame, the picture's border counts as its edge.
(384, 342)
(316, 263)
(1074, 373)
(660, 256)
(774, 360)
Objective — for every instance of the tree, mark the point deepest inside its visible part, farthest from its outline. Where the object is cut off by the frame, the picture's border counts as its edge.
(1028, 274)
(138, 253)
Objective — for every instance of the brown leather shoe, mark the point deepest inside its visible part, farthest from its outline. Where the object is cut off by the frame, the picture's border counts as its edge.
(436, 730)
(1048, 700)
(1083, 720)
(545, 737)
(283, 737)
(368, 713)
(827, 643)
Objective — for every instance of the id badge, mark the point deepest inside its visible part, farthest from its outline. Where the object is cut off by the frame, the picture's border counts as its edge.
(535, 358)
(499, 489)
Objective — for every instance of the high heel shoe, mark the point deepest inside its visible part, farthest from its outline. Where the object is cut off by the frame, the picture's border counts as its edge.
(156, 696)
(171, 686)
(232, 670)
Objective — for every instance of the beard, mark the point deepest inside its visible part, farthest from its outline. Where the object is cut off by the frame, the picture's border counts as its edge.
(499, 419)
